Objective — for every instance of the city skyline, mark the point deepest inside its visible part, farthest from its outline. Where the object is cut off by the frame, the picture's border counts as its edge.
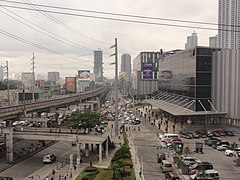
(69, 44)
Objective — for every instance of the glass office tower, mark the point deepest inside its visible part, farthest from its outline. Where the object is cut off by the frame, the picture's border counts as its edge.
(188, 75)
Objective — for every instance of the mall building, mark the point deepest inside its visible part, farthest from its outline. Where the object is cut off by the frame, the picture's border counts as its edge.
(200, 86)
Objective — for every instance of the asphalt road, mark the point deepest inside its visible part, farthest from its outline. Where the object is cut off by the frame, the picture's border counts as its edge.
(34, 163)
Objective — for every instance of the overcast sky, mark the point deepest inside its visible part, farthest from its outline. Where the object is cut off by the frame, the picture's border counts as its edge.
(67, 41)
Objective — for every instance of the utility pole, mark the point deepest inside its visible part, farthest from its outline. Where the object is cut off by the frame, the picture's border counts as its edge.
(116, 86)
(7, 73)
(33, 77)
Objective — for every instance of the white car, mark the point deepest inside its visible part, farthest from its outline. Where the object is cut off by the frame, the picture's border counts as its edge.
(222, 147)
(231, 152)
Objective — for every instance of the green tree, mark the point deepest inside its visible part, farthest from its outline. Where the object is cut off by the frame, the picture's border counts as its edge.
(84, 120)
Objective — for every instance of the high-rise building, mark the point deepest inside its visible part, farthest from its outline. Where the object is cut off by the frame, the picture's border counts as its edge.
(27, 81)
(126, 63)
(53, 76)
(192, 41)
(229, 24)
(98, 65)
(145, 73)
(213, 41)
(1, 73)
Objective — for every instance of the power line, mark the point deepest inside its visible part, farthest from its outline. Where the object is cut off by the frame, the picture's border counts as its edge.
(122, 20)
(62, 23)
(33, 44)
(120, 14)
(59, 38)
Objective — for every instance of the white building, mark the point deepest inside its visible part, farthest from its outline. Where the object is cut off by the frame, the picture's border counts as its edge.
(53, 76)
(27, 81)
(213, 41)
(192, 41)
(229, 24)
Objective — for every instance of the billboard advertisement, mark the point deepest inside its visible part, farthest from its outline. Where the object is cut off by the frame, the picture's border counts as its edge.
(84, 74)
(147, 73)
(41, 84)
(70, 84)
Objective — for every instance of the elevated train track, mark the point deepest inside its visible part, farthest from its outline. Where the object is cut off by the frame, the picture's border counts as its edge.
(10, 112)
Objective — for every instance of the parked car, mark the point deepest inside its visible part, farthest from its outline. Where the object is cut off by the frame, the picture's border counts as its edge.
(5, 178)
(49, 158)
(231, 151)
(172, 176)
(166, 166)
(160, 157)
(200, 167)
(229, 133)
(186, 135)
(190, 160)
(222, 147)
(205, 175)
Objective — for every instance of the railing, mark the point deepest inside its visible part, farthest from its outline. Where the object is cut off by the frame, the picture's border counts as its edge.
(34, 106)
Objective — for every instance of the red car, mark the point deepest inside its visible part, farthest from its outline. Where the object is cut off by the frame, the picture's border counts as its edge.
(172, 139)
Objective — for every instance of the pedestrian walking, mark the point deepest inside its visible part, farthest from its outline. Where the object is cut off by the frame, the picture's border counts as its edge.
(75, 167)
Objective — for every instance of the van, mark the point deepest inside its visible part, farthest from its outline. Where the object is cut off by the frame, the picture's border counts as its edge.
(206, 175)
(166, 166)
(165, 136)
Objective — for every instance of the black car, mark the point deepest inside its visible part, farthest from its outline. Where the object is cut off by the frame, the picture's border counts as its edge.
(202, 166)
(160, 157)
(5, 178)
(229, 133)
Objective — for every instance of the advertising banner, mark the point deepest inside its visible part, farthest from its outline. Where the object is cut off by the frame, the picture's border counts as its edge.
(147, 73)
(70, 84)
(84, 74)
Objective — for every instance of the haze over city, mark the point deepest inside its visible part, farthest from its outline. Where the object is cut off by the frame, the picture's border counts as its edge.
(68, 40)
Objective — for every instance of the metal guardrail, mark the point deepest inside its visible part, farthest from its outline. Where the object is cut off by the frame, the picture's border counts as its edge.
(34, 106)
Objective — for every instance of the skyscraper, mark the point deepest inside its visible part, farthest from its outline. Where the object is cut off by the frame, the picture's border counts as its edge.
(1, 73)
(98, 65)
(229, 24)
(192, 41)
(126, 63)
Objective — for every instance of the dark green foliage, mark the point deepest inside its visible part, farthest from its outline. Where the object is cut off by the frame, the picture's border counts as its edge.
(84, 119)
(123, 152)
(90, 169)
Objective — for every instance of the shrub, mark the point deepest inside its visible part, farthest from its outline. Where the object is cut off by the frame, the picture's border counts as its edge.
(90, 169)
(123, 152)
(104, 175)
(126, 162)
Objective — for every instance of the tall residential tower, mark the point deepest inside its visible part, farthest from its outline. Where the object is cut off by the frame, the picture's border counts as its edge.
(229, 24)
(98, 65)
(126, 63)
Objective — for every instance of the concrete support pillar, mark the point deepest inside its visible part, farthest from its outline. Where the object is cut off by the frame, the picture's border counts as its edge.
(78, 152)
(92, 148)
(100, 153)
(98, 105)
(9, 145)
(86, 150)
(92, 106)
(106, 148)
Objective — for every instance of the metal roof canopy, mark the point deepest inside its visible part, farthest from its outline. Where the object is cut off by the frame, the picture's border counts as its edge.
(178, 105)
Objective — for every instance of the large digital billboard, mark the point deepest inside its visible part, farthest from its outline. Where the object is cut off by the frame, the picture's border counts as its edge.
(70, 84)
(147, 73)
(84, 74)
